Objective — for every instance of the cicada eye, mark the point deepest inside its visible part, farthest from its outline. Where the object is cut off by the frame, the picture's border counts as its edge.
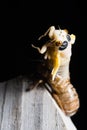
(63, 46)
(68, 37)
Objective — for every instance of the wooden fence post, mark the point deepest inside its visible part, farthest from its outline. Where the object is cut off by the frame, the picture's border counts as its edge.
(33, 110)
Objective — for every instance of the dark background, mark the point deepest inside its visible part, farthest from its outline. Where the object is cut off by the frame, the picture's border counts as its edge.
(23, 22)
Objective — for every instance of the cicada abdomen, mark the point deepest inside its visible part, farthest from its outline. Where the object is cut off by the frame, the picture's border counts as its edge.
(65, 95)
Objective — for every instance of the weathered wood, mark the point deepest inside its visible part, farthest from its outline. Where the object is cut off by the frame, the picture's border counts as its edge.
(33, 110)
(11, 106)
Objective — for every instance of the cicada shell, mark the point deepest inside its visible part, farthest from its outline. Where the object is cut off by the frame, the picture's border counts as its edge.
(65, 95)
(57, 53)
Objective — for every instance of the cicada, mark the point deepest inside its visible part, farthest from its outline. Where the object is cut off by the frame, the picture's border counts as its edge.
(57, 51)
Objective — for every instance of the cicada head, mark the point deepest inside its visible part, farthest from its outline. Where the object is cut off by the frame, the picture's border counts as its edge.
(65, 49)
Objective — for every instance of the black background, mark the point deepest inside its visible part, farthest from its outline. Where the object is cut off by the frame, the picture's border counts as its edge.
(24, 22)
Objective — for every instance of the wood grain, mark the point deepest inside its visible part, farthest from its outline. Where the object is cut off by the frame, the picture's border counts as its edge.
(33, 110)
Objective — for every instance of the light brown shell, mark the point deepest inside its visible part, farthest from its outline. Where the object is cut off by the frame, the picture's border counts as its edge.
(65, 95)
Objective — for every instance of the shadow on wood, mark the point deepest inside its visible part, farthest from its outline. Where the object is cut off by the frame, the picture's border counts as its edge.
(33, 110)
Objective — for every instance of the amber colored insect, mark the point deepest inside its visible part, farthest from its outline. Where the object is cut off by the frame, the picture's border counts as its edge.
(55, 70)
(65, 95)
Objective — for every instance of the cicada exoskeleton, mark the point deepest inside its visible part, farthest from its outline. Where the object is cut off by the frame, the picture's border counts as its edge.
(57, 53)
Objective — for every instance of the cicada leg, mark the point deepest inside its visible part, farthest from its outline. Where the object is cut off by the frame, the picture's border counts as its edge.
(34, 84)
